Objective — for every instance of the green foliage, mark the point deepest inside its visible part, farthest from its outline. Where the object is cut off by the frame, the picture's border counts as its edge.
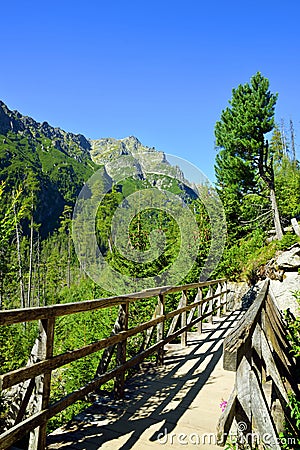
(244, 164)
(58, 175)
(250, 116)
(293, 335)
(238, 260)
(287, 241)
(287, 182)
(293, 328)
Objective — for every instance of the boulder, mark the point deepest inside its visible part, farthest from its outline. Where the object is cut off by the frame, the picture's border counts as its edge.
(284, 292)
(290, 259)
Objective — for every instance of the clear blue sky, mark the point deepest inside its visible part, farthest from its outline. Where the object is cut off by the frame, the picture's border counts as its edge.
(159, 70)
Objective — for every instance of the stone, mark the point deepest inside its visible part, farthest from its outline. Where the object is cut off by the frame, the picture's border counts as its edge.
(295, 226)
(283, 292)
(290, 259)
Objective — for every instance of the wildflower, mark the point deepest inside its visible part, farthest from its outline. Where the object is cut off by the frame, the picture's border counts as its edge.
(223, 405)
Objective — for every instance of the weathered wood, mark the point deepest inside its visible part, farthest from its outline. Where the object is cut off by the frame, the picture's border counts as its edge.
(200, 306)
(235, 342)
(41, 370)
(209, 298)
(192, 311)
(25, 401)
(225, 297)
(175, 318)
(247, 350)
(218, 292)
(149, 332)
(19, 375)
(8, 317)
(16, 432)
(271, 367)
(110, 347)
(160, 329)
(121, 351)
(295, 226)
(275, 342)
(183, 320)
(257, 361)
(262, 420)
(37, 438)
(226, 419)
(14, 377)
(243, 388)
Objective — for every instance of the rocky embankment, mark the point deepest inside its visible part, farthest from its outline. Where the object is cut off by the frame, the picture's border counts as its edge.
(284, 275)
(286, 264)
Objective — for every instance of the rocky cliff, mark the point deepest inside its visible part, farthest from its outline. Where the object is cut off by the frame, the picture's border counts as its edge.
(74, 145)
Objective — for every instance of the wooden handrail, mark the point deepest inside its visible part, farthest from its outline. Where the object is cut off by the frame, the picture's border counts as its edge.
(258, 351)
(9, 317)
(38, 372)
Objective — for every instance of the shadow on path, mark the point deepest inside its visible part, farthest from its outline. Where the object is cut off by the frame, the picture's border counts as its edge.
(154, 396)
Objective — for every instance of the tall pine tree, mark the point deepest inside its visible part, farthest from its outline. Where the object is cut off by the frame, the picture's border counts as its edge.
(241, 135)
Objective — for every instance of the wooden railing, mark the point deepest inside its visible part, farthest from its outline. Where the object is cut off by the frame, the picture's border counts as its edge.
(37, 374)
(258, 351)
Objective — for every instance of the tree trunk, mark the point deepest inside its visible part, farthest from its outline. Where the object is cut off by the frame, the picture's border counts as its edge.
(267, 174)
(22, 292)
(69, 261)
(38, 272)
(276, 217)
(30, 261)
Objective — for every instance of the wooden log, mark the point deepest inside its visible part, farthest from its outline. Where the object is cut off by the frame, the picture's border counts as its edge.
(276, 343)
(262, 420)
(19, 375)
(239, 340)
(25, 401)
(256, 355)
(8, 317)
(295, 226)
(37, 438)
(242, 383)
(225, 421)
(272, 368)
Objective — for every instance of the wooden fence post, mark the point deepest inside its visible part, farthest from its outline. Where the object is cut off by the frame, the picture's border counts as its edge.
(121, 350)
(210, 293)
(200, 309)
(37, 438)
(183, 320)
(219, 298)
(160, 329)
(225, 297)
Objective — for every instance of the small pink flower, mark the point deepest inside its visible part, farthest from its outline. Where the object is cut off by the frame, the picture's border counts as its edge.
(223, 405)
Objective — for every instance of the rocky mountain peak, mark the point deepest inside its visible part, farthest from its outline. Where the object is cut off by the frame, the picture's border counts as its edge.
(74, 145)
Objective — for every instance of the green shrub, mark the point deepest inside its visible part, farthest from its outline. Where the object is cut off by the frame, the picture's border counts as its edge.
(287, 241)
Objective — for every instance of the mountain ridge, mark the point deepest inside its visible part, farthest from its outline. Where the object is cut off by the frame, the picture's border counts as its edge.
(61, 162)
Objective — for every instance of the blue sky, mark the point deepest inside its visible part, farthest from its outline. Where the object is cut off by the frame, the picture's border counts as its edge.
(161, 70)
